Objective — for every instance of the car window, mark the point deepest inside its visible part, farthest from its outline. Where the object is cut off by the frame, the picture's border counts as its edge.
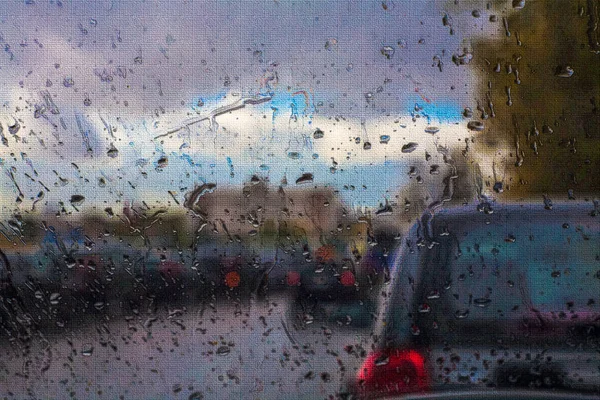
(503, 270)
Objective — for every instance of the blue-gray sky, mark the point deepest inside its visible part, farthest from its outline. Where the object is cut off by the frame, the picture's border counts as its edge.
(146, 65)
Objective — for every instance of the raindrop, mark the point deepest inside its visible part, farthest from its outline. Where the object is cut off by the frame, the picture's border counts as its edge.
(70, 262)
(509, 100)
(77, 200)
(382, 360)
(564, 71)
(518, 4)
(331, 43)
(14, 128)
(476, 126)
(307, 177)
(547, 203)
(87, 350)
(112, 152)
(162, 162)
(505, 22)
(482, 302)
(388, 51)
(54, 298)
(409, 147)
(424, 308)
(384, 209)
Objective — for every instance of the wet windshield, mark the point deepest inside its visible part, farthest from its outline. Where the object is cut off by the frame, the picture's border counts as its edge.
(299, 199)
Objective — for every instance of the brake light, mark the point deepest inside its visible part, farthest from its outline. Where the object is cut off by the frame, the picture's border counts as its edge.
(392, 372)
(292, 278)
(347, 278)
(232, 279)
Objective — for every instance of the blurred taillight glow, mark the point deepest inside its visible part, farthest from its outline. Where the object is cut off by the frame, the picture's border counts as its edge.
(292, 278)
(392, 372)
(347, 278)
(232, 279)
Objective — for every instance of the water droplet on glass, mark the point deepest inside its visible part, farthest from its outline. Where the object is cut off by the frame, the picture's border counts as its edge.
(482, 302)
(112, 152)
(547, 203)
(307, 177)
(547, 129)
(331, 43)
(87, 350)
(476, 126)
(409, 147)
(564, 71)
(77, 200)
(382, 360)
(518, 4)
(388, 51)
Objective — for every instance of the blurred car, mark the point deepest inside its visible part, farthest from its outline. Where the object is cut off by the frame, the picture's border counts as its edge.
(490, 298)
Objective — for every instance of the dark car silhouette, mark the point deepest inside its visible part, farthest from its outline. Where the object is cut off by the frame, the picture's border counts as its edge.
(502, 297)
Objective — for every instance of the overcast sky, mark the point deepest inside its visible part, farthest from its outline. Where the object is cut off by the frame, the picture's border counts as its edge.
(144, 66)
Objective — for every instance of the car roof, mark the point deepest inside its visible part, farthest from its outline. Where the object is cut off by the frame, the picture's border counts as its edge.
(525, 213)
(533, 207)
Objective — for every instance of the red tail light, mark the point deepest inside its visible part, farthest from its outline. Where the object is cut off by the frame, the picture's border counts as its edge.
(347, 278)
(392, 372)
(292, 278)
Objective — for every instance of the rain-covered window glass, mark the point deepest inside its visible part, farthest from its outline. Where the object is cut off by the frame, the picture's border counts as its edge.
(267, 199)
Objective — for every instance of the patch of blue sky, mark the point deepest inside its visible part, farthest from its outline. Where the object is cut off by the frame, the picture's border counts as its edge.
(359, 187)
(439, 111)
(203, 102)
